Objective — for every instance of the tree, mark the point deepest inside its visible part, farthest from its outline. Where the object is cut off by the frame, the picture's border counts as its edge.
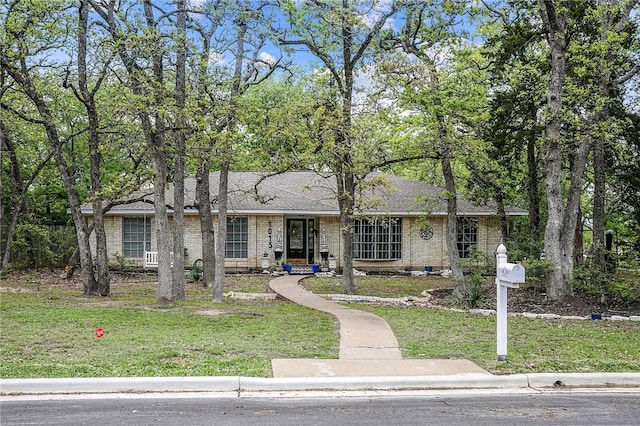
(575, 113)
(151, 103)
(208, 128)
(23, 59)
(606, 56)
(443, 89)
(518, 65)
(20, 184)
(340, 35)
(86, 95)
(562, 216)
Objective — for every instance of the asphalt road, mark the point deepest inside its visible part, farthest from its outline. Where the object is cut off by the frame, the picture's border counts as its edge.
(451, 409)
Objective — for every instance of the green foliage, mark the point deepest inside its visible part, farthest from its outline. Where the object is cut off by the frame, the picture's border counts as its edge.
(536, 271)
(473, 294)
(32, 247)
(197, 270)
(608, 287)
(520, 246)
(121, 263)
(63, 244)
(478, 263)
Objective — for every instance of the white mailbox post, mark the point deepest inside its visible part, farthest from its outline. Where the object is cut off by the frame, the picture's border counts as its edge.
(508, 275)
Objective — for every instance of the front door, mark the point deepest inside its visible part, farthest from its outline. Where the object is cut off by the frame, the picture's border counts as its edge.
(300, 240)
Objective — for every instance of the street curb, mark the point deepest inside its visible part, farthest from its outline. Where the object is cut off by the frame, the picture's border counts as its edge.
(119, 385)
(235, 385)
(584, 380)
(459, 381)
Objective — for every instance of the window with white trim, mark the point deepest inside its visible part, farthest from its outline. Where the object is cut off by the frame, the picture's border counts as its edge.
(237, 246)
(377, 239)
(466, 235)
(136, 236)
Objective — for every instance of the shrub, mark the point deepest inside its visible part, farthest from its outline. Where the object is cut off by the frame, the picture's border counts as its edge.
(63, 243)
(474, 294)
(32, 247)
(536, 272)
(478, 262)
(621, 286)
(121, 263)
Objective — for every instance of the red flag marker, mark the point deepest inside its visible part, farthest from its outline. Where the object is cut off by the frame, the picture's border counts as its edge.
(99, 333)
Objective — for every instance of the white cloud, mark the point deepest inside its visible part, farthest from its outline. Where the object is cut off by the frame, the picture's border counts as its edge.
(197, 4)
(267, 58)
(216, 58)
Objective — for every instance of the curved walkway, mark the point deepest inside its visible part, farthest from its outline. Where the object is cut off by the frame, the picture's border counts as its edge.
(368, 346)
(363, 335)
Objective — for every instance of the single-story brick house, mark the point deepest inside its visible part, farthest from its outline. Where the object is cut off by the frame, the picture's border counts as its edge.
(296, 213)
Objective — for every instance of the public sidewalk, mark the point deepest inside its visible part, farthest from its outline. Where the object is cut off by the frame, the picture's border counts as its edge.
(368, 347)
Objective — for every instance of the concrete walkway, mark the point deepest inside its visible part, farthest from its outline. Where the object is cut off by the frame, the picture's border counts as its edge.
(368, 346)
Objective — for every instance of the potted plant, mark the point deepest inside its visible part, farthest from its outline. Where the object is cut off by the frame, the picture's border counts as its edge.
(265, 261)
(333, 262)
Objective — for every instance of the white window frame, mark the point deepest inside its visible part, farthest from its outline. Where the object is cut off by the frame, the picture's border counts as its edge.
(237, 244)
(136, 241)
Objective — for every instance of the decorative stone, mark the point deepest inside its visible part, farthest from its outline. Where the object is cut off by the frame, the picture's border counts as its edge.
(619, 318)
(540, 316)
(485, 312)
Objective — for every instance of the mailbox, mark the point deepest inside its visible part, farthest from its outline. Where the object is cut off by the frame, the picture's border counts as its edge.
(511, 274)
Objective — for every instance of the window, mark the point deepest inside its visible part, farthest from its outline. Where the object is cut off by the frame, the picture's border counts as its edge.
(467, 235)
(136, 236)
(377, 239)
(237, 238)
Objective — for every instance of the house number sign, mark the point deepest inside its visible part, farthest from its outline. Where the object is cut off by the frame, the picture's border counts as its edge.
(269, 231)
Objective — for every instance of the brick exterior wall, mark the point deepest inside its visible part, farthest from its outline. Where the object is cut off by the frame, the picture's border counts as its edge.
(416, 252)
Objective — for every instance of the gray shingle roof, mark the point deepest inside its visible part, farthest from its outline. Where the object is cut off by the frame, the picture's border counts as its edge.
(306, 192)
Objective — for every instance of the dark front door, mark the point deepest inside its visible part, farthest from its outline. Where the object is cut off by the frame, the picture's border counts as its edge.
(300, 244)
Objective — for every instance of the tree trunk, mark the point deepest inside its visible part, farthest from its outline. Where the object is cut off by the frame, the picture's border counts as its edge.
(102, 287)
(2, 139)
(346, 197)
(203, 198)
(156, 143)
(18, 204)
(598, 261)
(599, 190)
(177, 289)
(218, 284)
(578, 241)
(571, 218)
(452, 221)
(555, 235)
(163, 236)
(203, 190)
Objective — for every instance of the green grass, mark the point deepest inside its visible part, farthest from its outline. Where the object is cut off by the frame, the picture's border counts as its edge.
(534, 345)
(379, 286)
(47, 329)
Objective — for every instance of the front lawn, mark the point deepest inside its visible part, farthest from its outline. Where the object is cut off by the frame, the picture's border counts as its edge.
(47, 329)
